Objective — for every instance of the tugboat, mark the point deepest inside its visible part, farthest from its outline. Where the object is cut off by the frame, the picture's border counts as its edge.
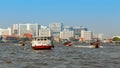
(44, 41)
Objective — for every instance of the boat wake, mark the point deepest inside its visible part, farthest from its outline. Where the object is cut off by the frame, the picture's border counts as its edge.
(82, 46)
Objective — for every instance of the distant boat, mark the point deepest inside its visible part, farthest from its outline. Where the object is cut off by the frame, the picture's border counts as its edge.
(95, 44)
(67, 43)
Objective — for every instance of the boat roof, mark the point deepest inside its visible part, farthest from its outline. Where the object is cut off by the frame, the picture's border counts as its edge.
(41, 37)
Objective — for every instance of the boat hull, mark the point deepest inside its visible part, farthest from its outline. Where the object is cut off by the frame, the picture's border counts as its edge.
(68, 44)
(41, 47)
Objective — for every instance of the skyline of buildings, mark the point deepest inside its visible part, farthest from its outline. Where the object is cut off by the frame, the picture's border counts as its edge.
(58, 30)
(93, 14)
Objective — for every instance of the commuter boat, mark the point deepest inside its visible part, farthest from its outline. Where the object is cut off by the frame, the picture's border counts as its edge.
(44, 41)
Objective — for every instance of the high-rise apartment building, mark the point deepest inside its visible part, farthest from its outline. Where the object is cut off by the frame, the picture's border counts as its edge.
(86, 35)
(29, 28)
(100, 36)
(14, 29)
(66, 34)
(77, 31)
(56, 28)
(70, 28)
(5, 31)
(45, 32)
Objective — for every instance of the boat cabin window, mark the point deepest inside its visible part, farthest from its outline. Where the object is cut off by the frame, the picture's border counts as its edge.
(34, 38)
(41, 39)
(45, 39)
(38, 39)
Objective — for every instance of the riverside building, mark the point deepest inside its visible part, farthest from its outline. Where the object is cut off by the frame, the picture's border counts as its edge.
(56, 28)
(66, 34)
(45, 32)
(29, 28)
(86, 35)
(77, 31)
(5, 32)
(14, 29)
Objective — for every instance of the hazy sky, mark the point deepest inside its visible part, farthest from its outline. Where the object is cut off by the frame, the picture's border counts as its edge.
(99, 16)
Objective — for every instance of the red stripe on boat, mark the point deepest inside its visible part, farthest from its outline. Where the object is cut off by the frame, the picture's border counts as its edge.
(41, 47)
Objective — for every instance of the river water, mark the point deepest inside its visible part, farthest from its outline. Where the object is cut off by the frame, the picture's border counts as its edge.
(16, 56)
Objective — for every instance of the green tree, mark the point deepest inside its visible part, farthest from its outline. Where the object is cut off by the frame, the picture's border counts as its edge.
(116, 39)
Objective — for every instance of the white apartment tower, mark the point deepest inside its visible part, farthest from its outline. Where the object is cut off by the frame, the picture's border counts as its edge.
(100, 36)
(5, 31)
(77, 31)
(15, 28)
(29, 28)
(86, 35)
(66, 34)
(45, 32)
(56, 28)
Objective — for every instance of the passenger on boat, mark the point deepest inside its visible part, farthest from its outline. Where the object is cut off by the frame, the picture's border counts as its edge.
(95, 44)
(23, 43)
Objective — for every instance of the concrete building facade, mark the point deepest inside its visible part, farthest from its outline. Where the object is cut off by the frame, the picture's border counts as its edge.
(66, 34)
(15, 29)
(56, 28)
(77, 31)
(29, 28)
(86, 35)
(5, 31)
